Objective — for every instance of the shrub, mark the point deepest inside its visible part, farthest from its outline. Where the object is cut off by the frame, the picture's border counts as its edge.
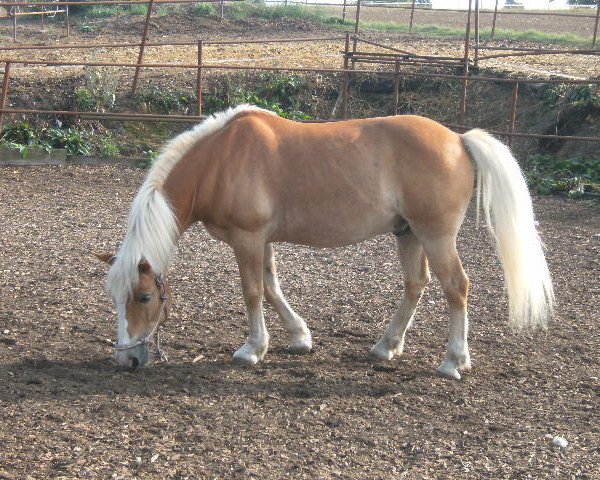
(548, 174)
(576, 95)
(22, 134)
(164, 100)
(107, 146)
(99, 92)
(76, 142)
(88, 28)
(203, 9)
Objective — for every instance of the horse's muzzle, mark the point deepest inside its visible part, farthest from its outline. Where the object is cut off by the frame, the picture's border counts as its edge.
(133, 358)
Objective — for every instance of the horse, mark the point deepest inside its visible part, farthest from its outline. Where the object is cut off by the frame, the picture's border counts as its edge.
(253, 178)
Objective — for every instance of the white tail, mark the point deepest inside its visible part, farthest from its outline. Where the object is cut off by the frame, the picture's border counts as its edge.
(503, 192)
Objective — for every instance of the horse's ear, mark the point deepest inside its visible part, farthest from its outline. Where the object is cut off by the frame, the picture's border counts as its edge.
(144, 267)
(106, 257)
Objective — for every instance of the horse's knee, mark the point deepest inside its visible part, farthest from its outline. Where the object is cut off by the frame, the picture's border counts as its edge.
(270, 292)
(457, 290)
(413, 289)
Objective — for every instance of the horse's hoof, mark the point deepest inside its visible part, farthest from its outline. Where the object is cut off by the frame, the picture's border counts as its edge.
(448, 370)
(301, 346)
(245, 358)
(382, 353)
(247, 355)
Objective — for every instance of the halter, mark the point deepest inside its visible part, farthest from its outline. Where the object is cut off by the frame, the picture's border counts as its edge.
(147, 340)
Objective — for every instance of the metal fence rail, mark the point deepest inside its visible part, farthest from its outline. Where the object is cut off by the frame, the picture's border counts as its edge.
(351, 56)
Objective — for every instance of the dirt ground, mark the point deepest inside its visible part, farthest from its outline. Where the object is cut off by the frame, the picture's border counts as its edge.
(67, 412)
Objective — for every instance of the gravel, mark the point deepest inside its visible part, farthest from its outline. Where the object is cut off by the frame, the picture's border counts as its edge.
(67, 412)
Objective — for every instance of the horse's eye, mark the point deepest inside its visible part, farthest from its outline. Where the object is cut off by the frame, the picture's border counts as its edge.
(144, 298)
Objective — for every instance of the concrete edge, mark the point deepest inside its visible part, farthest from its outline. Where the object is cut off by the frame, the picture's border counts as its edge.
(36, 158)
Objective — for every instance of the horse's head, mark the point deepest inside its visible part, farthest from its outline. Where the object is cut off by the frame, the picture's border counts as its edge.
(140, 315)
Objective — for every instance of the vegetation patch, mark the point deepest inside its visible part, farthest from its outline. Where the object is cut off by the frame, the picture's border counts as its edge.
(23, 136)
(576, 177)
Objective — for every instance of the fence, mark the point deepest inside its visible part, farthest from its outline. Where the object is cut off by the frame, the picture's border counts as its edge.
(417, 7)
(352, 56)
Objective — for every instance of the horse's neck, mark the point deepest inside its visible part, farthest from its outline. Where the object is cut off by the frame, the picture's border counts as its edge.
(181, 189)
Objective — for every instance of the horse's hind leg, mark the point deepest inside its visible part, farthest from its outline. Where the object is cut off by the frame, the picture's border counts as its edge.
(446, 266)
(416, 278)
(301, 341)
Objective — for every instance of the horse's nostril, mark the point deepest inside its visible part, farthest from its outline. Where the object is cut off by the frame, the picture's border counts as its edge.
(135, 362)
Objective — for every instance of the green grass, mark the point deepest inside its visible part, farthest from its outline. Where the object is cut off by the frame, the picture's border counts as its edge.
(293, 11)
(241, 10)
(441, 31)
(541, 37)
(103, 11)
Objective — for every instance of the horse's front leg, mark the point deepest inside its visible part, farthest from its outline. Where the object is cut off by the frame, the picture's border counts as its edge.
(249, 253)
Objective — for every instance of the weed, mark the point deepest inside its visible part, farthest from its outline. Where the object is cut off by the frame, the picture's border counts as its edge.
(149, 157)
(279, 93)
(88, 29)
(547, 174)
(137, 9)
(239, 10)
(103, 11)
(76, 142)
(213, 103)
(336, 21)
(107, 146)
(203, 10)
(164, 100)
(22, 134)
(575, 95)
(99, 92)
(84, 100)
(162, 11)
(293, 11)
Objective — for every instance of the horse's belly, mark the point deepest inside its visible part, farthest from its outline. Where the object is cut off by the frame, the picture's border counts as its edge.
(335, 228)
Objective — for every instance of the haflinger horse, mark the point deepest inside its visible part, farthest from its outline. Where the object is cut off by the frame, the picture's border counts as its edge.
(253, 178)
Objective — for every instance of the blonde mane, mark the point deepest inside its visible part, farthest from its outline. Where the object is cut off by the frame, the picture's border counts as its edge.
(152, 228)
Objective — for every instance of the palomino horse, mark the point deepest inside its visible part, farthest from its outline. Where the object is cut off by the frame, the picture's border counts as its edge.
(253, 178)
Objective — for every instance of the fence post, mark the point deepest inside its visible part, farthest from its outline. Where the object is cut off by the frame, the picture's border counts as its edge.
(4, 94)
(494, 20)
(358, 17)
(513, 113)
(476, 60)
(412, 15)
(13, 12)
(463, 105)
(142, 48)
(199, 77)
(344, 11)
(397, 88)
(596, 24)
(355, 36)
(223, 10)
(68, 23)
(345, 78)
